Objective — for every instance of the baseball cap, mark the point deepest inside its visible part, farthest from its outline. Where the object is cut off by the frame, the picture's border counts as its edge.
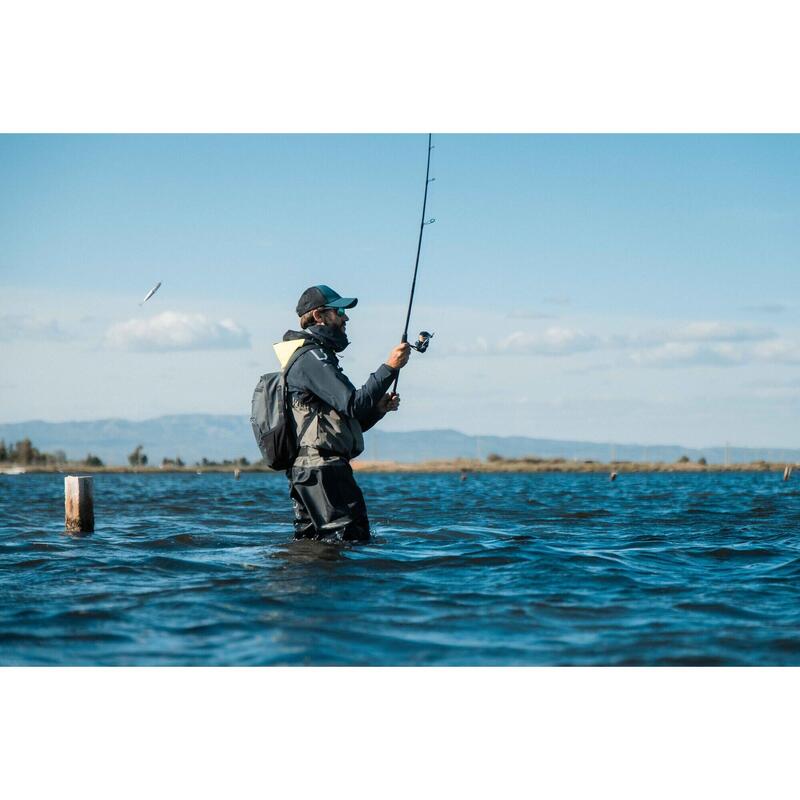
(319, 296)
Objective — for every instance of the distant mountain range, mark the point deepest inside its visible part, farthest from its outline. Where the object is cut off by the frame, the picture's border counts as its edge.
(218, 437)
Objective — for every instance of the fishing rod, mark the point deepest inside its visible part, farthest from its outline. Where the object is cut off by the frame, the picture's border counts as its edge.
(424, 338)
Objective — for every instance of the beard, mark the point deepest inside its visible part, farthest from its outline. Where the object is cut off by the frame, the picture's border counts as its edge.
(334, 337)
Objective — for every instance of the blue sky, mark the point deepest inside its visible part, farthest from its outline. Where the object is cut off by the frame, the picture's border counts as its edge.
(628, 288)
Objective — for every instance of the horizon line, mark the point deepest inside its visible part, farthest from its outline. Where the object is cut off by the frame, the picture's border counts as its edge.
(604, 442)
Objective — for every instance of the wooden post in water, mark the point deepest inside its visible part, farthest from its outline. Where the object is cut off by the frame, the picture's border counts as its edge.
(78, 504)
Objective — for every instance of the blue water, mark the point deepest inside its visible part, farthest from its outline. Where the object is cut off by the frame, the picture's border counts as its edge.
(495, 570)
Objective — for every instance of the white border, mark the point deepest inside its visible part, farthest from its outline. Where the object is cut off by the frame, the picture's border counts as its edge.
(399, 733)
(575, 65)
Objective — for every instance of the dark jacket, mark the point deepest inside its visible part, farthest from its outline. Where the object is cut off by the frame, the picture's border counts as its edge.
(329, 411)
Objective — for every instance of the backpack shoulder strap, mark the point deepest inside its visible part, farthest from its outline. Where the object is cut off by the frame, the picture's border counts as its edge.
(292, 358)
(307, 424)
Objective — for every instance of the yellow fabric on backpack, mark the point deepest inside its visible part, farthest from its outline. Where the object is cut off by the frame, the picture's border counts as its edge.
(284, 350)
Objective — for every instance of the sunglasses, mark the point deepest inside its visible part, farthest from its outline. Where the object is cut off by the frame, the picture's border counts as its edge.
(339, 311)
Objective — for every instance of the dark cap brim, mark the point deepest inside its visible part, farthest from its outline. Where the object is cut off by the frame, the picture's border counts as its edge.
(342, 302)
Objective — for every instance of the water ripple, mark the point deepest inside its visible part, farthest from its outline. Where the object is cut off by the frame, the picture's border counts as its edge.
(498, 569)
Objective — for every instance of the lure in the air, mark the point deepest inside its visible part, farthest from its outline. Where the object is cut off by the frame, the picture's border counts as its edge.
(150, 293)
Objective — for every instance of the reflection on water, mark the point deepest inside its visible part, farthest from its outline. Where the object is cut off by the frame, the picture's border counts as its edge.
(497, 569)
(306, 551)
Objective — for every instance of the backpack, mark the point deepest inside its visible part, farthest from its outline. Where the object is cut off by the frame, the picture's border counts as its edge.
(272, 419)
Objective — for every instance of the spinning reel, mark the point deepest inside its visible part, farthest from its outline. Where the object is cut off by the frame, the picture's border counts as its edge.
(423, 340)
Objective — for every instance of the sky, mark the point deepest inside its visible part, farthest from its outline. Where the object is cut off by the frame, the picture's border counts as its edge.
(636, 289)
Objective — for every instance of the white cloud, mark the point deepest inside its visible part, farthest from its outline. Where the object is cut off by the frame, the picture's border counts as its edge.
(699, 343)
(775, 393)
(694, 342)
(721, 354)
(700, 332)
(684, 354)
(23, 326)
(173, 330)
(781, 351)
(720, 332)
(555, 341)
(704, 343)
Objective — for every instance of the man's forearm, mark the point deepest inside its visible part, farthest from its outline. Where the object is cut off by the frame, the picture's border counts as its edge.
(371, 418)
(366, 399)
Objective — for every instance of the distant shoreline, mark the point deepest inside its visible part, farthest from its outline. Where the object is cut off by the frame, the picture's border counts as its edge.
(460, 465)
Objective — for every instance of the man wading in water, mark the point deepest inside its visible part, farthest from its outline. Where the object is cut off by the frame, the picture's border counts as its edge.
(330, 415)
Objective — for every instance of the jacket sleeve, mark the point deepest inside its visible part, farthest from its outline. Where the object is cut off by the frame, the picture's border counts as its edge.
(371, 418)
(319, 373)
